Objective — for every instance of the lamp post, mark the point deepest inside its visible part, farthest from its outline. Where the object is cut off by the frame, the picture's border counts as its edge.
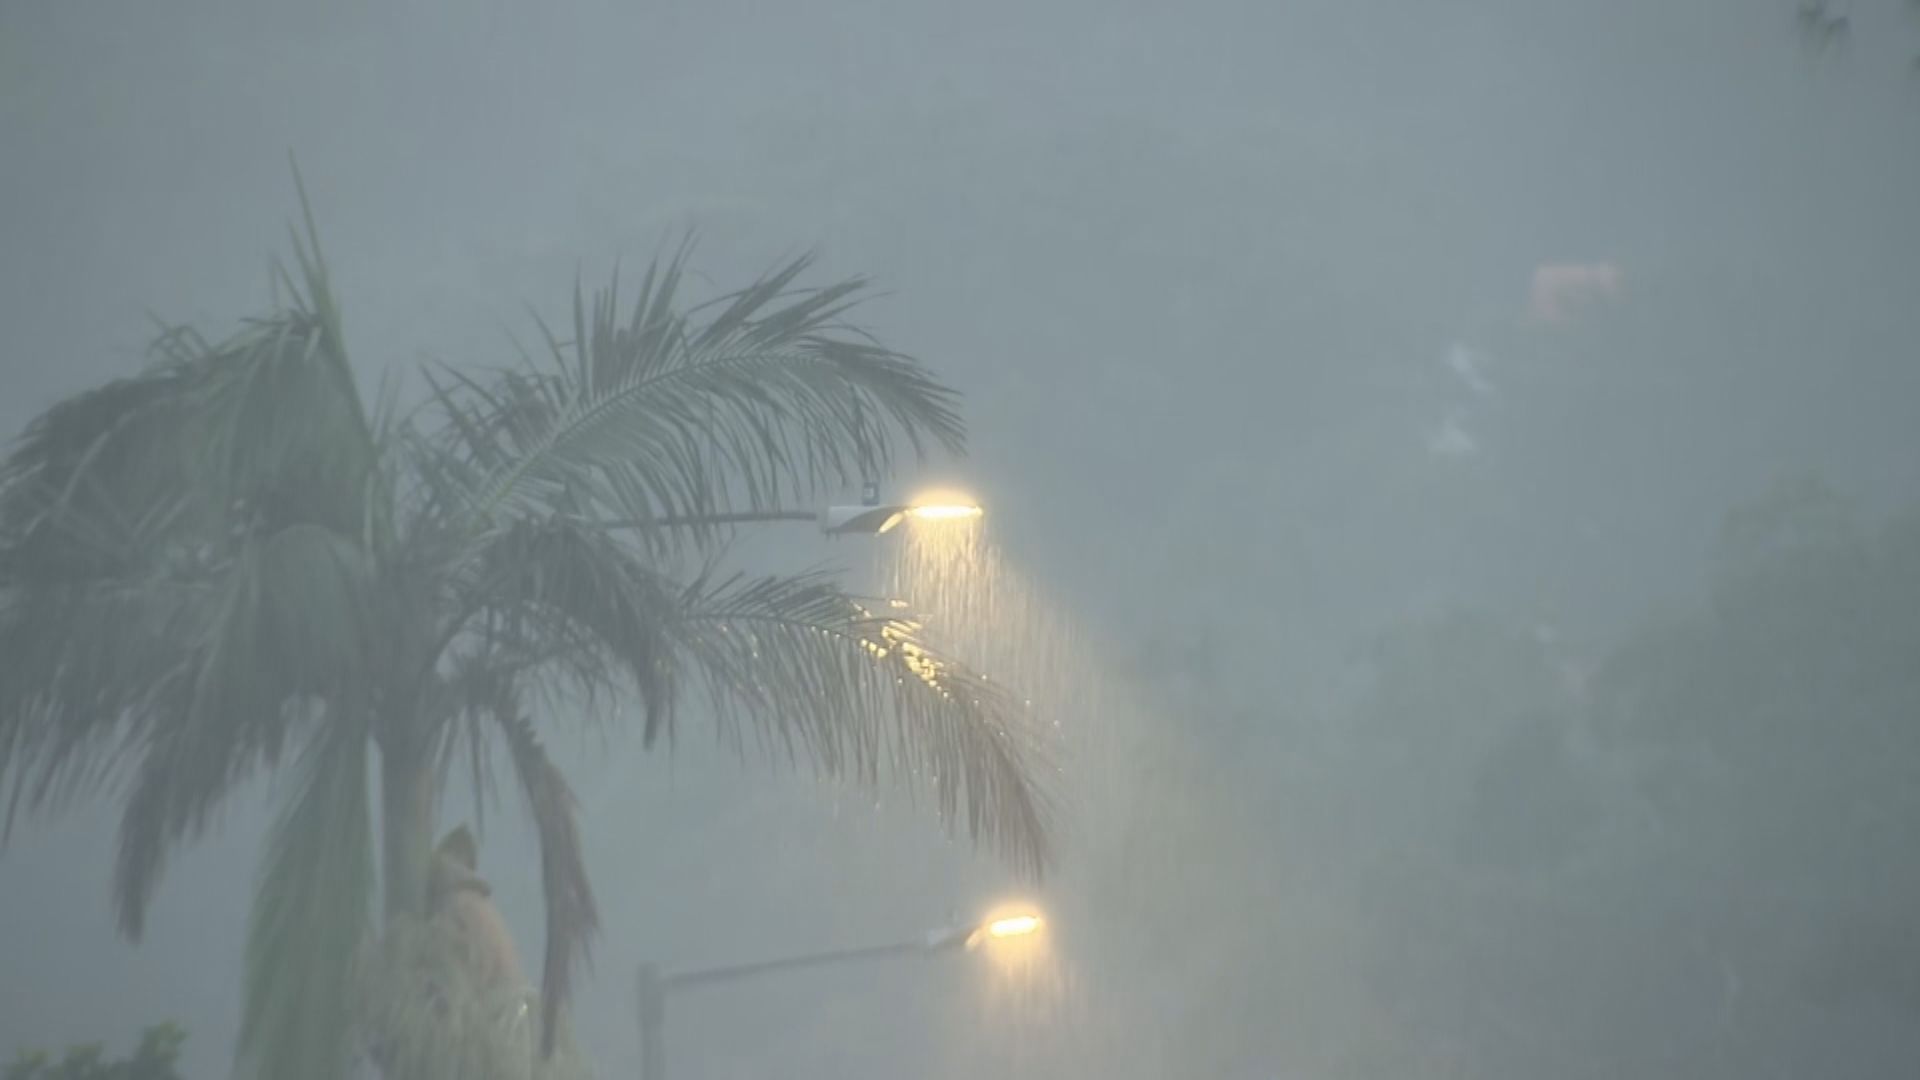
(655, 986)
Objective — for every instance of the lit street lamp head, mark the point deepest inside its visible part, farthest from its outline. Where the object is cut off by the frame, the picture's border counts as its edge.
(873, 520)
(1001, 927)
(944, 512)
(1014, 926)
(1021, 925)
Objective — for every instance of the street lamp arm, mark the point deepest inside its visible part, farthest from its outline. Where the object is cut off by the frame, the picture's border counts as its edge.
(680, 979)
(687, 521)
(867, 519)
(655, 986)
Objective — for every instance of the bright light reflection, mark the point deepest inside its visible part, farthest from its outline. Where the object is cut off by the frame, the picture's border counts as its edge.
(1008, 927)
(945, 512)
(1014, 926)
(943, 504)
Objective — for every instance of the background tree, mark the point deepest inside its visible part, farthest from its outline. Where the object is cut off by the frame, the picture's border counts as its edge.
(153, 1059)
(1828, 25)
(234, 562)
(1775, 733)
(1706, 842)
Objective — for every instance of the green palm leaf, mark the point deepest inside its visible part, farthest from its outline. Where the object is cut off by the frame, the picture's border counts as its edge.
(806, 668)
(294, 626)
(667, 417)
(854, 685)
(571, 916)
(311, 911)
(557, 597)
(795, 661)
(128, 516)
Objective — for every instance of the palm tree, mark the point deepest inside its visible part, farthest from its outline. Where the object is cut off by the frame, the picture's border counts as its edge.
(234, 561)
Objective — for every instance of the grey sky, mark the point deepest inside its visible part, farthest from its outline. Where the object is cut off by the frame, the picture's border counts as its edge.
(1199, 268)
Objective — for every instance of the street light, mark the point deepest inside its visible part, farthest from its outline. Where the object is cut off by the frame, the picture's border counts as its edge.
(867, 519)
(655, 986)
(873, 518)
(1013, 926)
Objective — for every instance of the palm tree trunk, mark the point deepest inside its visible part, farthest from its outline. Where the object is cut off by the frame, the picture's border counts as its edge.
(407, 799)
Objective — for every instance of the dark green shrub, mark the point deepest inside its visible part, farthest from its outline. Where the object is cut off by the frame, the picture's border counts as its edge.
(153, 1059)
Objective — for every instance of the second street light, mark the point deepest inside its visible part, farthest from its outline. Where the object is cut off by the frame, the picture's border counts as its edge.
(655, 986)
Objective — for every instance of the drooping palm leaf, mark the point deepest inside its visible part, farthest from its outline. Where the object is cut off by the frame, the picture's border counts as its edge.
(796, 662)
(83, 665)
(312, 908)
(96, 471)
(855, 687)
(556, 595)
(571, 916)
(97, 572)
(294, 625)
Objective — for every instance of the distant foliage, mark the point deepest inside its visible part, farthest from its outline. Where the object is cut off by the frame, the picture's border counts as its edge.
(1774, 738)
(1827, 26)
(153, 1059)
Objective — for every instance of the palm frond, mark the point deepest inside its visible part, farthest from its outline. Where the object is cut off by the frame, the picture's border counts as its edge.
(181, 778)
(263, 427)
(123, 508)
(559, 597)
(571, 916)
(312, 909)
(196, 667)
(292, 627)
(856, 688)
(99, 471)
(85, 665)
(795, 662)
(663, 416)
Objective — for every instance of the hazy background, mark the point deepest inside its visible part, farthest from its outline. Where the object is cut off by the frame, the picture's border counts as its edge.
(1239, 296)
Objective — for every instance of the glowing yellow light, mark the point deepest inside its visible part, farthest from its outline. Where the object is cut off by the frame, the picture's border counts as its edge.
(1009, 927)
(948, 505)
(945, 512)
(1013, 926)
(891, 521)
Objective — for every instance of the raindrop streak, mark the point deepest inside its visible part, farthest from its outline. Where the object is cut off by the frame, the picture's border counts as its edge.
(1033, 1009)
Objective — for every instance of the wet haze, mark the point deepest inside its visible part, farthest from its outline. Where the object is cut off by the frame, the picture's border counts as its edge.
(1300, 341)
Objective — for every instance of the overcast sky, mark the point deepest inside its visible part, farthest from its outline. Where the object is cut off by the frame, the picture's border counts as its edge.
(1244, 297)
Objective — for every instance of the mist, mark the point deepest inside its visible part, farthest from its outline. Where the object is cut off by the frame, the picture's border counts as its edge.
(1450, 475)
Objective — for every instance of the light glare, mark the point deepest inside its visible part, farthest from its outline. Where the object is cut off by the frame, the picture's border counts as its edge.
(1013, 926)
(945, 512)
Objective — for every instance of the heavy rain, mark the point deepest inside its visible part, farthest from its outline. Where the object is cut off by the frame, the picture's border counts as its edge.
(852, 540)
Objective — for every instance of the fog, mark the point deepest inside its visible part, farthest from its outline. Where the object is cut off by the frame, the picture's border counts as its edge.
(1464, 455)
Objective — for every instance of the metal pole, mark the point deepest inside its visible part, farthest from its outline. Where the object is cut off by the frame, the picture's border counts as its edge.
(822, 959)
(742, 517)
(653, 1023)
(655, 986)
